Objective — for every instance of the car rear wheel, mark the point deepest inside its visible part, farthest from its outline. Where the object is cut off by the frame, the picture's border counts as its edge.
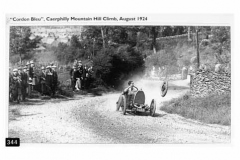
(124, 108)
(152, 107)
(119, 103)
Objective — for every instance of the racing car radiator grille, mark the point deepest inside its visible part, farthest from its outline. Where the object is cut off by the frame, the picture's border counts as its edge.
(140, 97)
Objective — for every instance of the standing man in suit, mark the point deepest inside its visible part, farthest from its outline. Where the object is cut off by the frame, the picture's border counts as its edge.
(49, 80)
(31, 76)
(43, 80)
(72, 77)
(54, 79)
(84, 76)
(20, 84)
(16, 80)
(24, 84)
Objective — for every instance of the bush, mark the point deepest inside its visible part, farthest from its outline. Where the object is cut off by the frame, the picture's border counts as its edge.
(214, 109)
(116, 65)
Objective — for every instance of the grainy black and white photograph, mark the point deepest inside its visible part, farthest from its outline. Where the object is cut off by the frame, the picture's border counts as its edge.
(120, 84)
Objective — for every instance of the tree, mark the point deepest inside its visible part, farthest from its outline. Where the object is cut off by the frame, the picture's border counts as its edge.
(102, 68)
(20, 42)
(74, 42)
(103, 39)
(222, 43)
(154, 33)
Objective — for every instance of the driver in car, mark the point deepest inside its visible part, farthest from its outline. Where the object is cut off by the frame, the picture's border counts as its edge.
(131, 89)
(129, 92)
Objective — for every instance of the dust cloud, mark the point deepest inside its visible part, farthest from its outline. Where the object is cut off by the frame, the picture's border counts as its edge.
(151, 88)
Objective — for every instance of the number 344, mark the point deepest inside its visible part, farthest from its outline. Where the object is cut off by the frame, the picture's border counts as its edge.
(9, 142)
(12, 142)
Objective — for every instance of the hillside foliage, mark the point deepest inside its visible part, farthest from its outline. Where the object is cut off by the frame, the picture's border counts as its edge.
(21, 46)
(119, 52)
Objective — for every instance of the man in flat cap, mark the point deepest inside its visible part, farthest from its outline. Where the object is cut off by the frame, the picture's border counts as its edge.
(77, 75)
(80, 69)
(49, 80)
(73, 82)
(54, 79)
(31, 76)
(29, 80)
(76, 78)
(43, 80)
(31, 71)
(84, 76)
(79, 62)
(20, 84)
(24, 84)
(16, 80)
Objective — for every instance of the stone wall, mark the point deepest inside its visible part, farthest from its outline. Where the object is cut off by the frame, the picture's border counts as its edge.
(204, 83)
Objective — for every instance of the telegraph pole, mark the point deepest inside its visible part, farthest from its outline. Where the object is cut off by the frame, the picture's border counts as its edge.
(198, 56)
(93, 46)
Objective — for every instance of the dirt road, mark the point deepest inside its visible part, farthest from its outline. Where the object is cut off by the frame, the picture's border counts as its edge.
(88, 119)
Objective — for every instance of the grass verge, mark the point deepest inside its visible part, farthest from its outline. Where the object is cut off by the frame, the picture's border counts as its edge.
(214, 109)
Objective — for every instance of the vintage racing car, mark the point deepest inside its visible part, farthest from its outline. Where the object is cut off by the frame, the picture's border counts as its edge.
(135, 102)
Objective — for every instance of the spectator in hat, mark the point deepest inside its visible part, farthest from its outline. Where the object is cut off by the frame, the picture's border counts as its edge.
(75, 62)
(90, 71)
(24, 77)
(76, 78)
(28, 65)
(19, 71)
(34, 75)
(73, 69)
(31, 72)
(29, 81)
(20, 82)
(49, 80)
(80, 64)
(43, 80)
(84, 76)
(89, 78)
(31, 76)
(77, 75)
(81, 74)
(54, 79)
(16, 80)
(50, 65)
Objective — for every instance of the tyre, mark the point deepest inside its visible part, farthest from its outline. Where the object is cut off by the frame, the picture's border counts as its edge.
(10, 97)
(119, 103)
(124, 108)
(152, 108)
(164, 88)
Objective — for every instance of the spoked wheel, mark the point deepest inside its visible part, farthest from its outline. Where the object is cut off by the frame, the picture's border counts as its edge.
(119, 103)
(164, 88)
(124, 108)
(152, 107)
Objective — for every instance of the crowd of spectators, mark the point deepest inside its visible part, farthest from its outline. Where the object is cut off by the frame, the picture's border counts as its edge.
(80, 76)
(26, 78)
